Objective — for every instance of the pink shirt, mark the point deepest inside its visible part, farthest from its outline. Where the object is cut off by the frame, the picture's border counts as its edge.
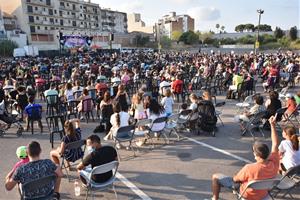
(20, 163)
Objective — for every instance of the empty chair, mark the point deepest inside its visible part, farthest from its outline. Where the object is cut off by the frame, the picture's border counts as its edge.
(289, 181)
(87, 109)
(72, 109)
(172, 124)
(246, 103)
(56, 126)
(219, 112)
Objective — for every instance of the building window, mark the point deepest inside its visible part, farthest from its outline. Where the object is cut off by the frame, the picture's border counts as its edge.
(61, 22)
(46, 28)
(44, 9)
(62, 4)
(52, 28)
(28, 1)
(60, 13)
(74, 23)
(67, 4)
(51, 20)
(29, 9)
(31, 19)
(50, 12)
(38, 27)
(68, 13)
(55, 12)
(56, 20)
(35, 8)
(32, 29)
(74, 7)
(81, 22)
(48, 2)
(37, 18)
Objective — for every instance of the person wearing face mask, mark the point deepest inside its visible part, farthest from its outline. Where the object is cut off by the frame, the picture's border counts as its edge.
(98, 155)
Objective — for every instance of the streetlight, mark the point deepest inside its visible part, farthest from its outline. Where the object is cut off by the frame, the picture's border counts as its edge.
(256, 46)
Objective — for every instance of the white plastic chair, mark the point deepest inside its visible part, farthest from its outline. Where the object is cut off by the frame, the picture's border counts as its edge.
(93, 186)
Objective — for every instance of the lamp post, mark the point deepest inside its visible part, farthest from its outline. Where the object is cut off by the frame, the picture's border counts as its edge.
(256, 46)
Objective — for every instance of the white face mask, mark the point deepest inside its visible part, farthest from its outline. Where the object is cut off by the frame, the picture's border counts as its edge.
(90, 149)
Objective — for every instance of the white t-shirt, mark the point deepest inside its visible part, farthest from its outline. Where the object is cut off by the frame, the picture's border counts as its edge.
(291, 158)
(124, 118)
(69, 95)
(193, 106)
(157, 126)
(168, 102)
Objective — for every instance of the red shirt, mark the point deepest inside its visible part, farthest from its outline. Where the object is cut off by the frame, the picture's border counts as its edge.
(101, 86)
(177, 86)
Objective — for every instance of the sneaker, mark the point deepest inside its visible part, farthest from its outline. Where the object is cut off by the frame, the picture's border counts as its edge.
(118, 146)
(105, 138)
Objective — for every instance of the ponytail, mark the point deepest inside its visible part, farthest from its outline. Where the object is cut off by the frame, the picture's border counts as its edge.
(295, 142)
(291, 132)
(118, 119)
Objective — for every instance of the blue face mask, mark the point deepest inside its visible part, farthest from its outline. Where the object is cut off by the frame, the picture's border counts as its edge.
(90, 149)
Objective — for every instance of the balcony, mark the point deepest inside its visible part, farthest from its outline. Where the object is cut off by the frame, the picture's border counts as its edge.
(39, 3)
(46, 22)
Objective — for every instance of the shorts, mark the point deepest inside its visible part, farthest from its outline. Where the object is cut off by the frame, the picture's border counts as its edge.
(227, 182)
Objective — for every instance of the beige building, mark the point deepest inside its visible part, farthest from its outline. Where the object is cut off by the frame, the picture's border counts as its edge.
(172, 22)
(43, 19)
(135, 23)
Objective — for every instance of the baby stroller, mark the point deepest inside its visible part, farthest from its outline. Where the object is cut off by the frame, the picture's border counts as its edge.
(207, 117)
(9, 119)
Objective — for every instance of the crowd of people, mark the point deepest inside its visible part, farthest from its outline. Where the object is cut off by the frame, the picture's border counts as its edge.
(126, 88)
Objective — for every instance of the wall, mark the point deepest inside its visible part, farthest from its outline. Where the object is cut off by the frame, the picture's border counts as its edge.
(20, 39)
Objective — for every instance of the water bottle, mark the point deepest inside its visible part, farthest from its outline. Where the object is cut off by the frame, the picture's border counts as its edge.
(77, 188)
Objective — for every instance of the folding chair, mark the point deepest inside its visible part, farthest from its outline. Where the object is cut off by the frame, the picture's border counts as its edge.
(159, 130)
(246, 103)
(92, 186)
(293, 117)
(267, 184)
(142, 123)
(280, 112)
(125, 134)
(72, 146)
(289, 181)
(219, 112)
(184, 117)
(36, 185)
(172, 124)
(72, 109)
(255, 121)
(56, 126)
(87, 109)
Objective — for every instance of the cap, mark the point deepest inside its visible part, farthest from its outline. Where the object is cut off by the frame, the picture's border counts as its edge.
(21, 152)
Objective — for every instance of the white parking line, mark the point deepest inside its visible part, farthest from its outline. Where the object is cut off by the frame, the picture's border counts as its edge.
(131, 186)
(218, 150)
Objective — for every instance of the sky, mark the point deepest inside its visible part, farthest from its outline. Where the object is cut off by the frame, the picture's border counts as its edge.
(208, 13)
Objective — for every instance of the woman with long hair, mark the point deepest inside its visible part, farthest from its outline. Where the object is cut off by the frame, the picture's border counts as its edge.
(289, 149)
(73, 134)
(120, 118)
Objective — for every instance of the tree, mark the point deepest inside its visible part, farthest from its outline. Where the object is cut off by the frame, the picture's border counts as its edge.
(165, 42)
(141, 41)
(218, 27)
(249, 27)
(204, 36)
(223, 28)
(7, 47)
(293, 33)
(189, 38)
(278, 33)
(176, 35)
(240, 28)
(264, 27)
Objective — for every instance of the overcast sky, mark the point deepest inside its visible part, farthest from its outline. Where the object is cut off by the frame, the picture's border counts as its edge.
(207, 13)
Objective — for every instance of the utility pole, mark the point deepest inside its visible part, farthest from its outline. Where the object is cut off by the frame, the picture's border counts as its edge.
(256, 45)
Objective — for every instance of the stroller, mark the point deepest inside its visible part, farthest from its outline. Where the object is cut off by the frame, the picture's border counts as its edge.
(9, 119)
(207, 117)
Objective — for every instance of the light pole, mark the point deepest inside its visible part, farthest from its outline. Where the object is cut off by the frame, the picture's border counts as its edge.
(256, 45)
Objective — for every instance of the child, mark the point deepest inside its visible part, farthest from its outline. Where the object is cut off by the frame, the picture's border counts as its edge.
(168, 102)
(22, 155)
(138, 107)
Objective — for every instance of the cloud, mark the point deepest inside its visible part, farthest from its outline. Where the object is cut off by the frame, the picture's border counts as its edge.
(204, 13)
(125, 6)
(180, 1)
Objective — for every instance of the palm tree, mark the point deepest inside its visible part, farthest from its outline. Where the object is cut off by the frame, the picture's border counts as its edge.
(217, 27)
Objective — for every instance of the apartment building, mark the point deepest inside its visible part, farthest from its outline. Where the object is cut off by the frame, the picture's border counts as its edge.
(2, 29)
(113, 21)
(136, 24)
(43, 19)
(172, 22)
